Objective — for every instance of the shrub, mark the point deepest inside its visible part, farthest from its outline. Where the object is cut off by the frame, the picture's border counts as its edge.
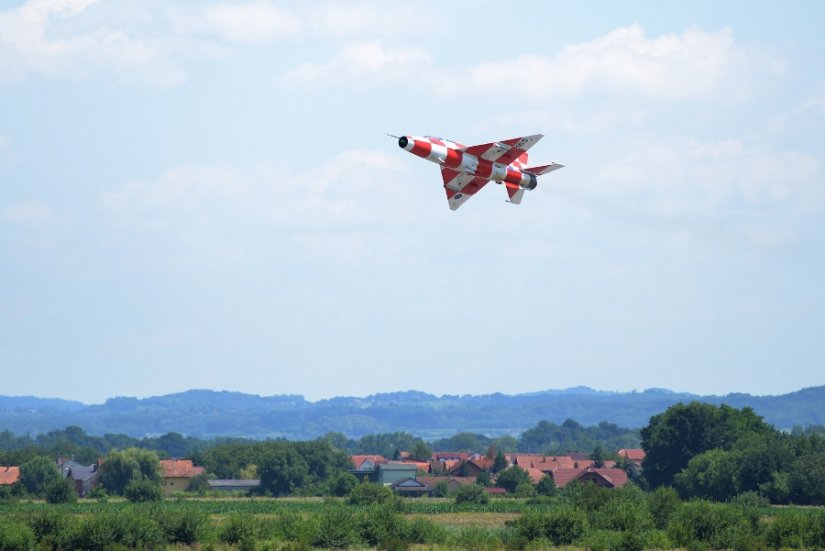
(471, 493)
(560, 526)
(239, 528)
(142, 490)
(525, 489)
(546, 486)
(662, 503)
(381, 526)
(788, 529)
(369, 494)
(61, 491)
(338, 529)
(753, 500)
(132, 529)
(424, 531)
(342, 484)
(474, 537)
(183, 527)
(714, 524)
(564, 526)
(15, 536)
(298, 528)
(53, 528)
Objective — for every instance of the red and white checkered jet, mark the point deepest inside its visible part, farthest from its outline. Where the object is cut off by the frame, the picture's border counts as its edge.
(466, 170)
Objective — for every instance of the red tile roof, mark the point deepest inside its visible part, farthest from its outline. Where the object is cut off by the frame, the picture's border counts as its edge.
(423, 466)
(358, 460)
(442, 456)
(616, 477)
(9, 475)
(632, 454)
(535, 474)
(562, 477)
(179, 468)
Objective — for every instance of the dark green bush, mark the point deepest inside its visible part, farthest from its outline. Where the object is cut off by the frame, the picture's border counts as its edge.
(662, 503)
(338, 529)
(789, 528)
(380, 526)
(183, 527)
(753, 500)
(424, 531)
(238, 528)
(133, 529)
(369, 494)
(714, 524)
(471, 493)
(143, 490)
(560, 526)
(61, 491)
(15, 536)
(564, 526)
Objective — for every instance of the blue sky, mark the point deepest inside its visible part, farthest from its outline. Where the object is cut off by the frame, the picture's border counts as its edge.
(200, 195)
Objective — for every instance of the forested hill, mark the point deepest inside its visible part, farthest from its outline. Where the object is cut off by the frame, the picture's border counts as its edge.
(207, 414)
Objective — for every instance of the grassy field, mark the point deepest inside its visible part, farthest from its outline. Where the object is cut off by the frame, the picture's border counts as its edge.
(617, 520)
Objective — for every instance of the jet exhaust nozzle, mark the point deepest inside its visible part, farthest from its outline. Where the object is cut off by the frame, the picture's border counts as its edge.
(532, 183)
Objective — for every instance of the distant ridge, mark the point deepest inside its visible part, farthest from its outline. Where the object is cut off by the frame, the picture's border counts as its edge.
(208, 413)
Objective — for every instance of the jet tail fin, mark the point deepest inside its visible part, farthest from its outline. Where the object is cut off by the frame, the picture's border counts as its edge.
(539, 170)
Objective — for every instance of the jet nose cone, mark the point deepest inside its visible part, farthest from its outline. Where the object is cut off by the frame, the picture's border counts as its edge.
(403, 142)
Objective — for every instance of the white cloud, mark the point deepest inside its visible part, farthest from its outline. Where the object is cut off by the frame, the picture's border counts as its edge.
(42, 37)
(693, 65)
(684, 177)
(390, 21)
(29, 214)
(254, 22)
(362, 64)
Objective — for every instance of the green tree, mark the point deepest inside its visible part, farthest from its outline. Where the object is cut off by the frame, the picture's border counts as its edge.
(807, 480)
(546, 486)
(511, 477)
(709, 475)
(471, 493)
(483, 479)
(421, 452)
(61, 491)
(342, 484)
(37, 474)
(123, 467)
(682, 431)
(283, 470)
(597, 455)
(499, 463)
(141, 490)
(369, 494)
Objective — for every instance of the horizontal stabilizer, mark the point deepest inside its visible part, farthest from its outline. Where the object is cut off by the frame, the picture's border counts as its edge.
(539, 170)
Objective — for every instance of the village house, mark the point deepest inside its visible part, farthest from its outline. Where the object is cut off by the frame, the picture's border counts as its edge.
(604, 477)
(84, 477)
(9, 475)
(635, 456)
(233, 484)
(367, 462)
(177, 473)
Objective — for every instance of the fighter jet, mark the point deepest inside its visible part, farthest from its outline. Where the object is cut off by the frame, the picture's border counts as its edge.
(467, 169)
